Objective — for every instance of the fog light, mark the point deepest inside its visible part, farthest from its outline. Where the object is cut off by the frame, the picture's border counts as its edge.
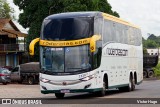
(44, 87)
(87, 86)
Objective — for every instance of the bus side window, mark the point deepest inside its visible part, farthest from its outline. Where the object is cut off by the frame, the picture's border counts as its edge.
(97, 54)
(98, 26)
(108, 31)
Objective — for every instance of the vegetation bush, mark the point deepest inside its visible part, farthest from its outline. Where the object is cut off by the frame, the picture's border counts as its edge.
(157, 70)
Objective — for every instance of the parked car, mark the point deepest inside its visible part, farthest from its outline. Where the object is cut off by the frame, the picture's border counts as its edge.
(26, 72)
(10, 68)
(5, 76)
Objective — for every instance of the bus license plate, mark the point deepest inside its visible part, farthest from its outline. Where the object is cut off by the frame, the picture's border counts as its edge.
(65, 91)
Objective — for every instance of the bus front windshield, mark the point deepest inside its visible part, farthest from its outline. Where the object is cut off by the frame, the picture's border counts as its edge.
(67, 28)
(67, 59)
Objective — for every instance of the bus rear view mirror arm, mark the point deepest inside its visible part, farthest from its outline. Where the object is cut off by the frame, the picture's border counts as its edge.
(31, 46)
(93, 40)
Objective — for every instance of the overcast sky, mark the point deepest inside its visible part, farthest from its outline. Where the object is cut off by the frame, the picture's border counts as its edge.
(143, 13)
(16, 14)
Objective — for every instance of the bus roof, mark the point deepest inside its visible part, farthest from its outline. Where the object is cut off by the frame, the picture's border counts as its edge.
(73, 14)
(90, 14)
(116, 19)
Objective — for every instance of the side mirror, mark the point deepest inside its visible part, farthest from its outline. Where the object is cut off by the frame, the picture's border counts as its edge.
(93, 40)
(31, 46)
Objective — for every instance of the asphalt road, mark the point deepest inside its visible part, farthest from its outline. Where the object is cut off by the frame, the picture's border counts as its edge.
(143, 94)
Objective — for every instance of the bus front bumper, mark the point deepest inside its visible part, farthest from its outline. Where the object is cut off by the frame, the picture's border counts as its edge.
(70, 91)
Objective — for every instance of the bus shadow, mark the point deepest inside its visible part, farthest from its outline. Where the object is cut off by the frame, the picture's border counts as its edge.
(89, 98)
(93, 95)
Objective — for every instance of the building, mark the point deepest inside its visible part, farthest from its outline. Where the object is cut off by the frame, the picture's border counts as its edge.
(10, 50)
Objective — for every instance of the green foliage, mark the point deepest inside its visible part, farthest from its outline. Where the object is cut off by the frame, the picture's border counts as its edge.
(152, 41)
(36, 10)
(155, 38)
(157, 70)
(145, 51)
(151, 44)
(5, 10)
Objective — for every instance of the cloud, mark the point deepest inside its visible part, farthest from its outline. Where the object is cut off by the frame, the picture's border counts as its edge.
(144, 13)
(16, 14)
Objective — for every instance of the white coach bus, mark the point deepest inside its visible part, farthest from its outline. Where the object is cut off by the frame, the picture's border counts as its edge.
(88, 52)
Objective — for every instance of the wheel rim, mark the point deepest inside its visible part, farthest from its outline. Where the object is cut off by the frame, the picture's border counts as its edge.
(130, 84)
(104, 89)
(150, 74)
(30, 80)
(133, 84)
(104, 85)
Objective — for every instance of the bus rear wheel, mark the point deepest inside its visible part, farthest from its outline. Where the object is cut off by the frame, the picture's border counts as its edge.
(59, 95)
(130, 87)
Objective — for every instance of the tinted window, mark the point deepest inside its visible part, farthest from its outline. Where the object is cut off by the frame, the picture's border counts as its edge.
(119, 33)
(67, 28)
(108, 31)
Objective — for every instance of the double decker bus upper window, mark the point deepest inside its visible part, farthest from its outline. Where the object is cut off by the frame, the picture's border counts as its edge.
(67, 28)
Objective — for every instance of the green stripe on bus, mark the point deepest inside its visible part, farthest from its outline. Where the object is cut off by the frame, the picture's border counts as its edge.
(117, 86)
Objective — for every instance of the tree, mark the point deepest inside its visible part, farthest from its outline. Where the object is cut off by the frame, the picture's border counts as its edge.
(36, 10)
(154, 38)
(145, 51)
(5, 10)
(151, 44)
(144, 46)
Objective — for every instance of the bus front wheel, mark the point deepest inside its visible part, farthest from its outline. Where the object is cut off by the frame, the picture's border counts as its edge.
(59, 95)
(103, 91)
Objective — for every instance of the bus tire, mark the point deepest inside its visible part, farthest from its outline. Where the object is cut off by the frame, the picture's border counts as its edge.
(145, 74)
(59, 95)
(103, 91)
(130, 87)
(133, 84)
(30, 80)
(150, 74)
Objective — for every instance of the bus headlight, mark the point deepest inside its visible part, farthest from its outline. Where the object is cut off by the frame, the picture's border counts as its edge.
(44, 80)
(87, 78)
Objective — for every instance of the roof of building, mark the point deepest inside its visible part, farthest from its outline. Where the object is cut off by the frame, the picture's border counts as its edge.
(7, 27)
